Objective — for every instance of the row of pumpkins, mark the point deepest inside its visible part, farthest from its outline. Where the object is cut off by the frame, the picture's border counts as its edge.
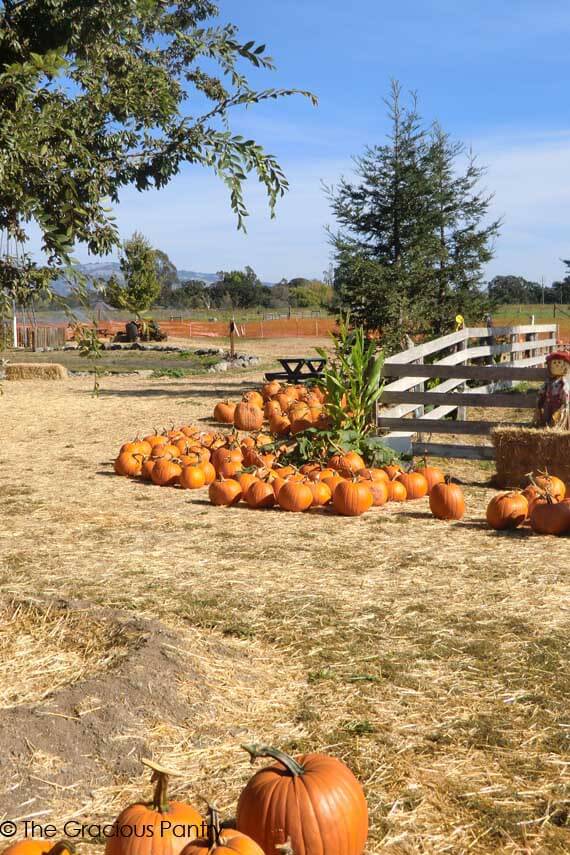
(311, 804)
(234, 469)
(543, 505)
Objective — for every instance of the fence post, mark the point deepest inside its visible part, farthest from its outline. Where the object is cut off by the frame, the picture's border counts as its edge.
(462, 411)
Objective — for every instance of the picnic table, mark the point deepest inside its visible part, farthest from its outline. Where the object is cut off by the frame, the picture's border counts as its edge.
(297, 369)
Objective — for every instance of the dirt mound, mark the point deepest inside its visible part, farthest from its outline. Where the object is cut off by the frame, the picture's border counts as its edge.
(88, 730)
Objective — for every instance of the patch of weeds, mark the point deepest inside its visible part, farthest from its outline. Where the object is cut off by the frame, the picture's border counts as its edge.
(238, 630)
(358, 728)
(363, 678)
(173, 373)
(321, 674)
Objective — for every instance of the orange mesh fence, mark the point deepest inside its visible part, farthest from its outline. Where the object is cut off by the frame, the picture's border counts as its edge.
(280, 328)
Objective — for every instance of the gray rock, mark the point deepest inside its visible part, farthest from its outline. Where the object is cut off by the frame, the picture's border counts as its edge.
(220, 366)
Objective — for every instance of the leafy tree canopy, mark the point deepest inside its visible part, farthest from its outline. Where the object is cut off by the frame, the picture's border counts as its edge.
(141, 286)
(97, 95)
(239, 289)
(513, 289)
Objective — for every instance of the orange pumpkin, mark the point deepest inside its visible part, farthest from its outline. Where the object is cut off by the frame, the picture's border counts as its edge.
(253, 398)
(392, 470)
(222, 841)
(224, 412)
(138, 446)
(279, 425)
(432, 474)
(321, 493)
(248, 417)
(550, 516)
(271, 408)
(245, 480)
(268, 390)
(260, 495)
(146, 469)
(209, 473)
(352, 498)
(165, 472)
(555, 486)
(295, 496)
(224, 492)
(313, 799)
(129, 463)
(373, 475)
(447, 502)
(351, 462)
(507, 510)
(192, 478)
(415, 483)
(173, 824)
(396, 491)
(379, 490)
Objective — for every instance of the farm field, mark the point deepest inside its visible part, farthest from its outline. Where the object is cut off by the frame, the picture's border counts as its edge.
(514, 315)
(135, 620)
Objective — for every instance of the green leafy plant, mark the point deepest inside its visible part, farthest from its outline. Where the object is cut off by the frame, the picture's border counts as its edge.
(352, 380)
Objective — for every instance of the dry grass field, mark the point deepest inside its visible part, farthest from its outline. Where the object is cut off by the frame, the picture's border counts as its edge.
(136, 620)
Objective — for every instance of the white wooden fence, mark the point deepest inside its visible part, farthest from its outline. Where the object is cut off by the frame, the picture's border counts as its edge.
(500, 357)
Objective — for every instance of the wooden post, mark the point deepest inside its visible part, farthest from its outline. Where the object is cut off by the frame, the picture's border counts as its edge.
(462, 411)
(232, 339)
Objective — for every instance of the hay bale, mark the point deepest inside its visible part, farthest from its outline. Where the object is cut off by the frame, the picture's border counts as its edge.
(522, 450)
(35, 371)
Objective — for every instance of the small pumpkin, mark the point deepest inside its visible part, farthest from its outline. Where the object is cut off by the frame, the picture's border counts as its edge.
(209, 473)
(432, 474)
(352, 498)
(129, 463)
(260, 494)
(165, 472)
(321, 493)
(507, 510)
(224, 412)
(146, 469)
(224, 492)
(192, 478)
(173, 824)
(270, 389)
(222, 841)
(351, 462)
(392, 470)
(396, 491)
(138, 446)
(550, 516)
(373, 474)
(295, 496)
(415, 483)
(254, 398)
(279, 425)
(379, 490)
(447, 501)
(555, 486)
(313, 799)
(248, 417)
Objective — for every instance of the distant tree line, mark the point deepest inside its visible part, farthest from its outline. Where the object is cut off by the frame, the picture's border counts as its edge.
(517, 289)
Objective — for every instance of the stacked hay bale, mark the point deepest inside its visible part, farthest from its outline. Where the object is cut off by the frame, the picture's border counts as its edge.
(35, 371)
(522, 450)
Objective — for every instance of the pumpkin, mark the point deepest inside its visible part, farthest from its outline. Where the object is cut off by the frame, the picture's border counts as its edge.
(373, 475)
(351, 462)
(155, 439)
(298, 410)
(269, 390)
(323, 422)
(166, 451)
(271, 408)
(352, 498)
(447, 502)
(227, 466)
(248, 417)
(224, 491)
(224, 412)
(507, 510)
(379, 490)
(260, 495)
(253, 398)
(245, 480)
(146, 469)
(415, 484)
(555, 486)
(321, 493)
(209, 473)
(226, 453)
(397, 491)
(550, 516)
(279, 425)
(222, 841)
(37, 846)
(313, 799)
(392, 470)
(139, 446)
(299, 425)
(284, 399)
(185, 823)
(320, 475)
(192, 478)
(295, 496)
(432, 474)
(129, 463)
(165, 472)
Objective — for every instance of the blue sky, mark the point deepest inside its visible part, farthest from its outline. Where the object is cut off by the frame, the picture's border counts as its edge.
(495, 74)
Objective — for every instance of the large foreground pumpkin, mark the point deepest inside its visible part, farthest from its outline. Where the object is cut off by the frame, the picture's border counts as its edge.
(37, 846)
(141, 816)
(313, 799)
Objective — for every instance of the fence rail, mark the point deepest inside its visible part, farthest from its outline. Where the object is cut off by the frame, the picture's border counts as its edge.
(498, 356)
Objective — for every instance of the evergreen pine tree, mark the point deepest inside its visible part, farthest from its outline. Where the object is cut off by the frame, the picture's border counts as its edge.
(412, 238)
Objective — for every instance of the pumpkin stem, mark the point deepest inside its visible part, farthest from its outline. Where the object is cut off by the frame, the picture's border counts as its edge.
(290, 764)
(160, 779)
(285, 848)
(214, 826)
(62, 846)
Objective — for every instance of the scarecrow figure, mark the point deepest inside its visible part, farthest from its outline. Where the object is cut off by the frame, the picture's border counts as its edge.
(553, 406)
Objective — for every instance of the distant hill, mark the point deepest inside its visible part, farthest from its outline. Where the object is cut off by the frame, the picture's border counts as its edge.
(106, 269)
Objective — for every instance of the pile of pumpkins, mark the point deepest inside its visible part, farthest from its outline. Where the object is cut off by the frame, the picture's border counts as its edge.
(542, 505)
(237, 468)
(287, 409)
(311, 804)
